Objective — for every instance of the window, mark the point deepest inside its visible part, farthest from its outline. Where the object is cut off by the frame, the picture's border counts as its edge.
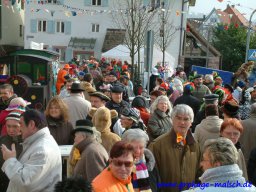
(41, 26)
(60, 26)
(213, 20)
(96, 2)
(62, 52)
(95, 27)
(52, 1)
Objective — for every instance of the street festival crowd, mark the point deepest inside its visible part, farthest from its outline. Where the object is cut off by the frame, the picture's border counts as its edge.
(189, 134)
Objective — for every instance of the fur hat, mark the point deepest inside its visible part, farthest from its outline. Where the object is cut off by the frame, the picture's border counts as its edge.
(230, 108)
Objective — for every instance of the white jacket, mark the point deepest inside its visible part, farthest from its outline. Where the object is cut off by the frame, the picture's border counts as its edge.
(39, 167)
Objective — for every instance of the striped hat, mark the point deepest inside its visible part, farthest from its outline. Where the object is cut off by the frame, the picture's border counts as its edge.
(14, 115)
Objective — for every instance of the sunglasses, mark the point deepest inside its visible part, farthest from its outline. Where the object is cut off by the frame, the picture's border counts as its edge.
(119, 163)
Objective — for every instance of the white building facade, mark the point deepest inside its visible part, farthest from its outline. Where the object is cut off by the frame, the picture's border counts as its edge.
(78, 27)
(11, 24)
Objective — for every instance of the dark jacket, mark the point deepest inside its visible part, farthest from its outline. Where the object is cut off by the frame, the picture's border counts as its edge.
(8, 141)
(251, 167)
(152, 82)
(61, 131)
(117, 106)
(189, 100)
(5, 104)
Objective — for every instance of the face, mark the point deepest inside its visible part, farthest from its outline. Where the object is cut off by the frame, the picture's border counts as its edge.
(253, 95)
(162, 105)
(198, 81)
(78, 138)
(96, 102)
(205, 162)
(231, 133)
(54, 110)
(152, 98)
(112, 78)
(218, 81)
(138, 148)
(5, 94)
(181, 124)
(13, 127)
(26, 130)
(68, 85)
(117, 97)
(126, 122)
(122, 166)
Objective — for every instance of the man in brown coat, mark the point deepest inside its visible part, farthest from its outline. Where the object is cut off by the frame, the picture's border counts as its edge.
(88, 157)
(176, 152)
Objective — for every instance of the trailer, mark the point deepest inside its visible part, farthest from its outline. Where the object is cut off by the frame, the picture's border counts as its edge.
(32, 73)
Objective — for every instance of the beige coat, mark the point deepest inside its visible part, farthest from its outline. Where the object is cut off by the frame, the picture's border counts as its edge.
(209, 128)
(241, 163)
(176, 163)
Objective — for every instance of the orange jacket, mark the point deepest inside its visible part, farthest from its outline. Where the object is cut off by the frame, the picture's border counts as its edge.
(106, 182)
(60, 79)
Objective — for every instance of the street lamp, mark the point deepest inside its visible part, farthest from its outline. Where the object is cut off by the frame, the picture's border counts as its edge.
(248, 36)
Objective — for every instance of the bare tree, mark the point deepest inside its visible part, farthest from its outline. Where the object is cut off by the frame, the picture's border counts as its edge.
(165, 25)
(135, 18)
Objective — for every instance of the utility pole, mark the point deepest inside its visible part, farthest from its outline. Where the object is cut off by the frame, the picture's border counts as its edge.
(162, 32)
(248, 36)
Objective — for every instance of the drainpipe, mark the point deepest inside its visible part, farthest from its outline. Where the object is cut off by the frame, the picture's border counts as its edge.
(181, 32)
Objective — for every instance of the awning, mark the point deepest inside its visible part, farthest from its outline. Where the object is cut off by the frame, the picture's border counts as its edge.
(82, 42)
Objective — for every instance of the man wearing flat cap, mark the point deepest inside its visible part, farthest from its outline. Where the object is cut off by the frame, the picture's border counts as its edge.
(117, 101)
(98, 99)
(200, 89)
(88, 157)
(78, 107)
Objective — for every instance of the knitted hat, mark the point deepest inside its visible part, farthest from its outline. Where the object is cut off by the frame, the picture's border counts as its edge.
(139, 101)
(131, 113)
(83, 125)
(14, 115)
(17, 103)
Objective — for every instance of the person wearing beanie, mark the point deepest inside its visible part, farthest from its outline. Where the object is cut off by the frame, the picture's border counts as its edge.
(140, 103)
(13, 137)
(16, 104)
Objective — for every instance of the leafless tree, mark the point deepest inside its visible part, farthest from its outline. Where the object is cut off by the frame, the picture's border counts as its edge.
(135, 18)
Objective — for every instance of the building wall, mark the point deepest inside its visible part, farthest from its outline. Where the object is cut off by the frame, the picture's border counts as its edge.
(81, 25)
(11, 20)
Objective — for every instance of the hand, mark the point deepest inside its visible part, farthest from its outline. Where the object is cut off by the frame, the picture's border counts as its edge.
(8, 153)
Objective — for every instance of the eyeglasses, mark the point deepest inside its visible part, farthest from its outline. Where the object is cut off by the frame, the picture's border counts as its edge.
(119, 163)
(230, 134)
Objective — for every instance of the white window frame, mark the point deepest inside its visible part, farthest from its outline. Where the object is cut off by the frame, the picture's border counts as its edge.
(59, 28)
(95, 27)
(96, 2)
(42, 28)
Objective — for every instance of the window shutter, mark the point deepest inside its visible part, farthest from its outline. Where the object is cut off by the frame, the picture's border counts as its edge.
(50, 26)
(87, 2)
(146, 2)
(33, 25)
(104, 3)
(68, 54)
(67, 27)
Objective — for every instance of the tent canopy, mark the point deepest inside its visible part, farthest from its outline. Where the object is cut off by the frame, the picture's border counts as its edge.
(123, 53)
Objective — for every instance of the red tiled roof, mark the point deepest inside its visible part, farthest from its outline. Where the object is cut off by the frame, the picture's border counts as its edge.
(224, 17)
(237, 16)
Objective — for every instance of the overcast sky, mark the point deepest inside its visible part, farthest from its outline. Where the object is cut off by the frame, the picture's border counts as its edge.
(205, 6)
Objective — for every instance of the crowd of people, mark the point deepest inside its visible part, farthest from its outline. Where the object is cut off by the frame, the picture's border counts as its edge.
(187, 133)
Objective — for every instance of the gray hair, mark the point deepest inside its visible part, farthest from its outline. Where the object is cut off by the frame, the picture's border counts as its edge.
(253, 108)
(221, 150)
(154, 105)
(135, 134)
(183, 109)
